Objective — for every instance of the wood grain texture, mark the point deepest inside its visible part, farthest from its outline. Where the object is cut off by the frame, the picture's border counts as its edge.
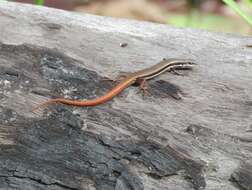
(194, 131)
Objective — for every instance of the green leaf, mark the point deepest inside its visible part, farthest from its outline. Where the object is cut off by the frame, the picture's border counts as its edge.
(234, 6)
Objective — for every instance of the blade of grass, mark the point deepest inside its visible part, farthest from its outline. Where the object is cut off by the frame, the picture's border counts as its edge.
(39, 2)
(233, 5)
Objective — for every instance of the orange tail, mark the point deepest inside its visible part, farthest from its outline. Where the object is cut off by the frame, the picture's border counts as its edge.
(44, 104)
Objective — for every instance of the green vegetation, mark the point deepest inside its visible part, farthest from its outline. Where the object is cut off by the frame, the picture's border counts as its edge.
(209, 22)
(39, 2)
(203, 21)
(234, 6)
(217, 22)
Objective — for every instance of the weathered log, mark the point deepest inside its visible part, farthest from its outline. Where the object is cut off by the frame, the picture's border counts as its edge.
(193, 131)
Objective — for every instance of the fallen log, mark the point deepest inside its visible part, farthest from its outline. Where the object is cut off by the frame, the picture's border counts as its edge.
(193, 131)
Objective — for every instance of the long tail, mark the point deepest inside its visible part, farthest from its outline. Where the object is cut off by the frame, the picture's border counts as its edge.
(93, 102)
(44, 104)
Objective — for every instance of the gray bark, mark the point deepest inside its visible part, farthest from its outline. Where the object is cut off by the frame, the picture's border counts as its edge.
(193, 131)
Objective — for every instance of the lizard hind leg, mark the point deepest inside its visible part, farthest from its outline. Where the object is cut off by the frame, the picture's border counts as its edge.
(143, 85)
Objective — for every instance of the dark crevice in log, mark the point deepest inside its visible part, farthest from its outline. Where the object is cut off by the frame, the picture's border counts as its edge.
(242, 176)
(54, 68)
(57, 140)
(164, 89)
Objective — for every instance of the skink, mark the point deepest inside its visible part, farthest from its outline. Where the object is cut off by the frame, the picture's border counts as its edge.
(136, 77)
